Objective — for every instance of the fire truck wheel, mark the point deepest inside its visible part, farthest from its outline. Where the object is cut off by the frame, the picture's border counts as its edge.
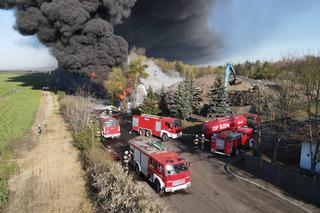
(136, 168)
(142, 132)
(237, 152)
(148, 133)
(164, 137)
(158, 186)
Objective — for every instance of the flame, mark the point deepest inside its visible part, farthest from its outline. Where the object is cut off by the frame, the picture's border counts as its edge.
(124, 91)
(124, 94)
(93, 75)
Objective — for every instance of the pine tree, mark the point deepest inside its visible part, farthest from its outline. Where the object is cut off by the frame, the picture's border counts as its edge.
(218, 100)
(171, 103)
(193, 94)
(196, 93)
(150, 103)
(163, 102)
(181, 105)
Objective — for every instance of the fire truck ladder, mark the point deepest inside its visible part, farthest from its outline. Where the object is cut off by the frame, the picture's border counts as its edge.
(150, 116)
(158, 146)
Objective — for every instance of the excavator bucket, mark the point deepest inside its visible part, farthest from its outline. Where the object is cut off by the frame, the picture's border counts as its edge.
(235, 82)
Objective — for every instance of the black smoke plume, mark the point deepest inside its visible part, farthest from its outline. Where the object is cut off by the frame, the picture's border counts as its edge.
(173, 29)
(79, 32)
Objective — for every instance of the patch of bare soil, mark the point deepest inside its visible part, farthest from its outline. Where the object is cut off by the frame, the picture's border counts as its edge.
(51, 178)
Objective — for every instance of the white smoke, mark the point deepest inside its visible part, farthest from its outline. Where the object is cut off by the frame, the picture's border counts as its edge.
(157, 78)
(139, 94)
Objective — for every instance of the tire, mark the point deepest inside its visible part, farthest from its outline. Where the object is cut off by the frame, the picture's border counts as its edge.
(142, 132)
(148, 133)
(157, 186)
(237, 152)
(164, 137)
(251, 144)
(136, 169)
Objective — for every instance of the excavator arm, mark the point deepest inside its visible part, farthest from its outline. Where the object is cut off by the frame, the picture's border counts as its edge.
(230, 70)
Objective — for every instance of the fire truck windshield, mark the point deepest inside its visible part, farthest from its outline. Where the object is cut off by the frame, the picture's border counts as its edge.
(177, 123)
(176, 169)
(110, 123)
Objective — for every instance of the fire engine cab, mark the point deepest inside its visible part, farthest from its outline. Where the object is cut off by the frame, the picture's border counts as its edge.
(230, 122)
(162, 127)
(110, 127)
(166, 169)
(231, 141)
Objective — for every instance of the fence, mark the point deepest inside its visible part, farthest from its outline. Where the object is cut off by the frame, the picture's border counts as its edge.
(296, 184)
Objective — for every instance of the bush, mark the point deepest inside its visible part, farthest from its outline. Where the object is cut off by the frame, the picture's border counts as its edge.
(60, 95)
(3, 191)
(77, 110)
(115, 190)
(85, 139)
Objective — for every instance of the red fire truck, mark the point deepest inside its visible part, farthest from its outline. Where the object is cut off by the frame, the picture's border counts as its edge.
(110, 127)
(162, 127)
(231, 141)
(230, 122)
(166, 169)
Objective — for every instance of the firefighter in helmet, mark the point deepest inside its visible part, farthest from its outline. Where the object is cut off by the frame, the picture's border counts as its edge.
(39, 129)
(202, 141)
(126, 158)
(196, 142)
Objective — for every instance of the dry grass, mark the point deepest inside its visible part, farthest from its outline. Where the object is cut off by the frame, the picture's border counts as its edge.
(114, 190)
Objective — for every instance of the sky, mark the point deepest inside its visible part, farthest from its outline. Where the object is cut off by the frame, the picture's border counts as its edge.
(266, 29)
(250, 30)
(19, 52)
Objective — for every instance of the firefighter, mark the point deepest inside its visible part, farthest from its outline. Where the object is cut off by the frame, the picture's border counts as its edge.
(39, 129)
(196, 142)
(126, 159)
(45, 123)
(202, 141)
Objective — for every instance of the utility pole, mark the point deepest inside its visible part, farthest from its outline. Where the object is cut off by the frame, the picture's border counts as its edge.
(259, 125)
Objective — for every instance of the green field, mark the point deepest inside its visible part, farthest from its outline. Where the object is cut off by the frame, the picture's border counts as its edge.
(18, 105)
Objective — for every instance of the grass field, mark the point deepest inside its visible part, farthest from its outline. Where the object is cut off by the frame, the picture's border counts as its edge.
(18, 105)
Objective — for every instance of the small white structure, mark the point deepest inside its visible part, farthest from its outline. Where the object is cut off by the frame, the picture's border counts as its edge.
(305, 157)
(139, 95)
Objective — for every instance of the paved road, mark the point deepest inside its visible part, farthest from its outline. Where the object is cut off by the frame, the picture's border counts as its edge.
(213, 189)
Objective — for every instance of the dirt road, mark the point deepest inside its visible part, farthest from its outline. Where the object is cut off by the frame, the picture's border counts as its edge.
(51, 178)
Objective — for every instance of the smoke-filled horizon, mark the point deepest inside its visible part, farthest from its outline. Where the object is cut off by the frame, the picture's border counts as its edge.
(172, 29)
(79, 32)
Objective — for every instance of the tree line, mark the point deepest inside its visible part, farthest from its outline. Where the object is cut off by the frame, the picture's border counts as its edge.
(188, 69)
(186, 100)
(297, 97)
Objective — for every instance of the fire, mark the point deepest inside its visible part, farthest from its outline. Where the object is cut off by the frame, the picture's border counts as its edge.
(124, 91)
(124, 94)
(93, 75)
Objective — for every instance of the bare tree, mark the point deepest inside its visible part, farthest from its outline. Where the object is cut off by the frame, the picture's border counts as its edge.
(78, 109)
(310, 80)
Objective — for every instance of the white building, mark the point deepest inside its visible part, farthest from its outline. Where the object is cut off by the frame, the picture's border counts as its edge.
(305, 157)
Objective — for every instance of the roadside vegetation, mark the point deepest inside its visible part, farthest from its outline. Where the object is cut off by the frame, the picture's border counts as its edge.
(111, 188)
(18, 105)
